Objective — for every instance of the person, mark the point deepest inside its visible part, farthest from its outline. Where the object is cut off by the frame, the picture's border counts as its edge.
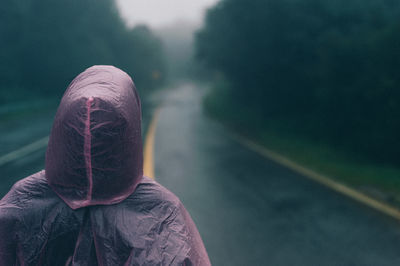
(91, 205)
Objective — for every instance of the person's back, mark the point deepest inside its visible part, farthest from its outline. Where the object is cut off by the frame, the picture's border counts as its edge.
(91, 205)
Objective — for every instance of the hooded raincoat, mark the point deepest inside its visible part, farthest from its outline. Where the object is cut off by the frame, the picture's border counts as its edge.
(92, 205)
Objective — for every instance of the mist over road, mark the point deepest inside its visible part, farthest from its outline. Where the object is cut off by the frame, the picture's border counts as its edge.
(251, 211)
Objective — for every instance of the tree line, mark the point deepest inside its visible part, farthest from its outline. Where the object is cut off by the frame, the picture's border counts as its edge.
(44, 44)
(328, 69)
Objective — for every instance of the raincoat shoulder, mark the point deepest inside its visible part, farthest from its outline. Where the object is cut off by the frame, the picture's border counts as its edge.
(150, 227)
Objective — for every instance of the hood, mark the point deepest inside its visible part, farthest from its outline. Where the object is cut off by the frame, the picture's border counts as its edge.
(94, 155)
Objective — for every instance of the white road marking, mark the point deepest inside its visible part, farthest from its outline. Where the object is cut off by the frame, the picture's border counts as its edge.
(30, 148)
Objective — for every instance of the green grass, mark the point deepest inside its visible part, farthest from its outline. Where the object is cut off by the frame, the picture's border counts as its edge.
(376, 179)
(338, 164)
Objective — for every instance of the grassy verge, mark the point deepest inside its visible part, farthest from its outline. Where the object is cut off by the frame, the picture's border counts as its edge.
(375, 179)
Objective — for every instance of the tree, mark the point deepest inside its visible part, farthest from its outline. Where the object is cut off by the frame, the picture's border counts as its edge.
(46, 43)
(327, 65)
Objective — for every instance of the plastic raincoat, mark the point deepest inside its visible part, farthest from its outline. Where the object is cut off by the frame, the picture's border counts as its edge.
(92, 205)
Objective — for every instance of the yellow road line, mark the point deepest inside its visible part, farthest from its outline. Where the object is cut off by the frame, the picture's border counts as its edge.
(324, 180)
(148, 167)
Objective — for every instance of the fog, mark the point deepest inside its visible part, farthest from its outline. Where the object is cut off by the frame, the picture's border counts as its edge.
(158, 14)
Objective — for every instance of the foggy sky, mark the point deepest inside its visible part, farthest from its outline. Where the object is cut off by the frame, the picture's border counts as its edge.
(159, 13)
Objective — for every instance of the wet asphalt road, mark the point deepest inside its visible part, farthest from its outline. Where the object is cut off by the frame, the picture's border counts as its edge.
(251, 211)
(19, 131)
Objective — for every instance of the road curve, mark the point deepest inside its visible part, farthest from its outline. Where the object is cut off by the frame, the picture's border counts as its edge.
(252, 211)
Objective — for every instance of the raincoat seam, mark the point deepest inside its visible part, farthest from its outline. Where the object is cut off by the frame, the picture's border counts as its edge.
(87, 149)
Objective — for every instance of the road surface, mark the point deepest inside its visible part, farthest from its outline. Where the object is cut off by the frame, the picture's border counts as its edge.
(21, 130)
(251, 211)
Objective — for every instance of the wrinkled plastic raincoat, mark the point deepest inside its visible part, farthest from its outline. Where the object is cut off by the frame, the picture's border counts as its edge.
(91, 205)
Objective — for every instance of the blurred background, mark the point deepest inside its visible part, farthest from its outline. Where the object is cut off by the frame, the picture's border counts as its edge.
(315, 81)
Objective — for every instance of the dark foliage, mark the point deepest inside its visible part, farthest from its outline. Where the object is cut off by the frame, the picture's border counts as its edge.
(329, 66)
(46, 43)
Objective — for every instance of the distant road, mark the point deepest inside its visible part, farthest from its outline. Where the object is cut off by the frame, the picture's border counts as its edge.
(252, 211)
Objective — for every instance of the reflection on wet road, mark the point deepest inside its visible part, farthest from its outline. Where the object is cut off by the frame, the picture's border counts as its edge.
(251, 211)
